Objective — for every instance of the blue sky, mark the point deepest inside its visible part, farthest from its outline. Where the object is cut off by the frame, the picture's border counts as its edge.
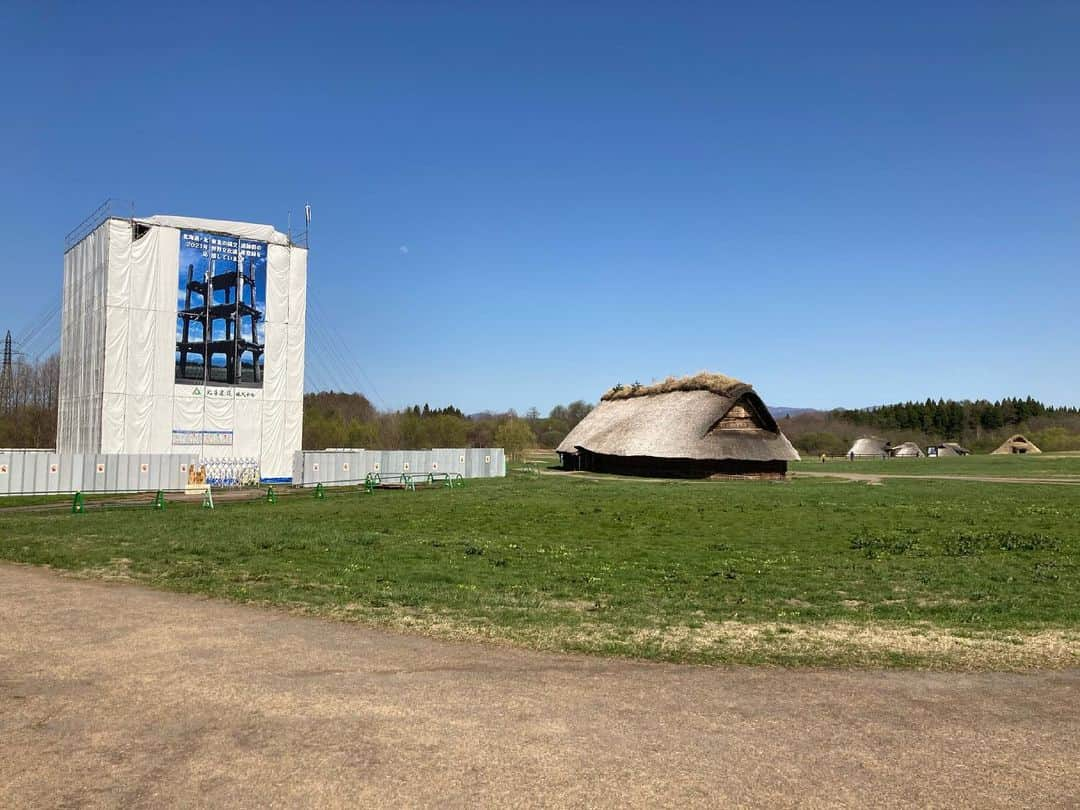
(517, 205)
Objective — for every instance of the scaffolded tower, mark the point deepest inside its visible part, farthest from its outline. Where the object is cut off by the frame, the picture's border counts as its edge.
(232, 312)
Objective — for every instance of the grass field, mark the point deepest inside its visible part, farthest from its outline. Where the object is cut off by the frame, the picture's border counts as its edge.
(806, 572)
(1046, 465)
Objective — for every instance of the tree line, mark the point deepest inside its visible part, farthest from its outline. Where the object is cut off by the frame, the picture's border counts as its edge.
(334, 419)
(28, 396)
(980, 425)
(952, 419)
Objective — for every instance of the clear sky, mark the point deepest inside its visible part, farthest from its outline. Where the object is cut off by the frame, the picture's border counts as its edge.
(520, 204)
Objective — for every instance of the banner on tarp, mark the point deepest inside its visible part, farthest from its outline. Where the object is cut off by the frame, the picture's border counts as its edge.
(220, 309)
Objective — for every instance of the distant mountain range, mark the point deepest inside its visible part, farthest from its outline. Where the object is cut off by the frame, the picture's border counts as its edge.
(780, 411)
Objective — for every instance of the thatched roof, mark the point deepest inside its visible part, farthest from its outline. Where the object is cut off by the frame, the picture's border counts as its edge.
(692, 418)
(719, 384)
(1015, 444)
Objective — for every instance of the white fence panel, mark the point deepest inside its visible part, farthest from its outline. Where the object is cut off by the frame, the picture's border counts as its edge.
(344, 467)
(38, 472)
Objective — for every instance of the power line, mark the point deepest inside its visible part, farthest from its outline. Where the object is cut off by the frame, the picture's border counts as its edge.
(347, 359)
(326, 355)
(40, 327)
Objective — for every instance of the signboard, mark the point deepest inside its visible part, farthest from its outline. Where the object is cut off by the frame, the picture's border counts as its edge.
(216, 438)
(217, 392)
(220, 309)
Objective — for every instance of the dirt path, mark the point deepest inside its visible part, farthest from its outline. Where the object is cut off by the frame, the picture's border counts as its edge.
(114, 695)
(992, 479)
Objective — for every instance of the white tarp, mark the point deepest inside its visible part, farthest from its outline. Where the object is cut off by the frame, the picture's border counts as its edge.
(118, 392)
(82, 343)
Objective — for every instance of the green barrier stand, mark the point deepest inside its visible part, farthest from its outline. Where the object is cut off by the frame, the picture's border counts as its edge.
(320, 493)
(78, 505)
(270, 496)
(159, 501)
(207, 499)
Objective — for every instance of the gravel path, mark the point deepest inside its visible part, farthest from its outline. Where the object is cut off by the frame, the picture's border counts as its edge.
(113, 695)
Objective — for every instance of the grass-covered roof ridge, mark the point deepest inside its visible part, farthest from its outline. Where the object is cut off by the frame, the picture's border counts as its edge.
(720, 384)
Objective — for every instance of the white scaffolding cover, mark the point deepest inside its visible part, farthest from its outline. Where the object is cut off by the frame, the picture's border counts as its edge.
(118, 347)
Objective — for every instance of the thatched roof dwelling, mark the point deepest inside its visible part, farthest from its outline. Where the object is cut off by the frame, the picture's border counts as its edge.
(1016, 444)
(906, 450)
(870, 447)
(947, 449)
(700, 426)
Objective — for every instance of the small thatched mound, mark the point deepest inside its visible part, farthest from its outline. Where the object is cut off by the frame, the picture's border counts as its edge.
(950, 449)
(719, 384)
(906, 450)
(1016, 445)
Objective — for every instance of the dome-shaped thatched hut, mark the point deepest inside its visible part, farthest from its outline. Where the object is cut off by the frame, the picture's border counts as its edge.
(869, 447)
(708, 425)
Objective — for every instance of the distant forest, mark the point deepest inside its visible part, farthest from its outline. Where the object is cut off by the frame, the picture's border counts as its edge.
(28, 404)
(980, 426)
(333, 419)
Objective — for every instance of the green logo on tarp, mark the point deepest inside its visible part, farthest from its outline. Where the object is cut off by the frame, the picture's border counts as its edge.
(197, 392)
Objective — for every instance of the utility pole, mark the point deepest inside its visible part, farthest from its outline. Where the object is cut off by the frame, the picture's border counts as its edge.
(7, 383)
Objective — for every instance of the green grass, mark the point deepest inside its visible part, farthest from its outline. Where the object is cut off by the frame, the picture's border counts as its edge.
(9, 501)
(1018, 466)
(813, 571)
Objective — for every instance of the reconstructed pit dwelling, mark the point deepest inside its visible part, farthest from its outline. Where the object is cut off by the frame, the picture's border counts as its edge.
(703, 426)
